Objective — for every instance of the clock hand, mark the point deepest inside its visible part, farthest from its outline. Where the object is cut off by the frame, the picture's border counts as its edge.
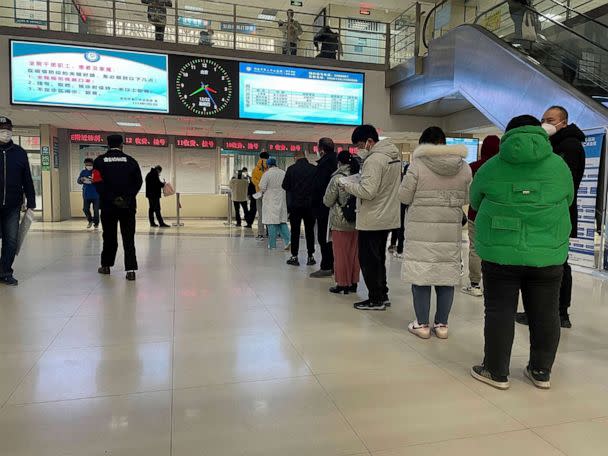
(203, 87)
(211, 98)
(211, 90)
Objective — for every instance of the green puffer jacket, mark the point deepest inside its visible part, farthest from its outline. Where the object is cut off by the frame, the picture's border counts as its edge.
(522, 196)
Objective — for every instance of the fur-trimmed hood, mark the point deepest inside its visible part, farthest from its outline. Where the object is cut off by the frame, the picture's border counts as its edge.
(442, 159)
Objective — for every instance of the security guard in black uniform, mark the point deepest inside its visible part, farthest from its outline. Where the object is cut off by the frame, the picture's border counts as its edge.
(118, 179)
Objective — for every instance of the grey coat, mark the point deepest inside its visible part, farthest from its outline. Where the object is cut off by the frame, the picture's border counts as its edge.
(335, 198)
(436, 187)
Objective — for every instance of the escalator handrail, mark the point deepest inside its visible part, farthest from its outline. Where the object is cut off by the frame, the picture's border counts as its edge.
(585, 15)
(426, 20)
(562, 26)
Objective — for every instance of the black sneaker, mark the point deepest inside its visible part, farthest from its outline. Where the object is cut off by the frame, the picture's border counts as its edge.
(540, 378)
(9, 280)
(311, 261)
(131, 276)
(386, 301)
(153, 225)
(321, 273)
(565, 322)
(485, 376)
(105, 270)
(353, 288)
(368, 305)
(164, 225)
(521, 318)
(293, 261)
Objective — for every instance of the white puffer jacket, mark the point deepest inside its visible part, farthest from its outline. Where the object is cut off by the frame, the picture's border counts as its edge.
(436, 187)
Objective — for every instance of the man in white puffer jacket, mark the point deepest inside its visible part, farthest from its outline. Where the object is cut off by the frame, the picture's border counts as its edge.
(377, 210)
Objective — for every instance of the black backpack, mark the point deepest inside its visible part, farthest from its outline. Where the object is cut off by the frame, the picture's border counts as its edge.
(349, 210)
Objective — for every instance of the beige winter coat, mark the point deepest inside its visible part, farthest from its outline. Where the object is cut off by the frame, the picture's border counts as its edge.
(377, 200)
(436, 187)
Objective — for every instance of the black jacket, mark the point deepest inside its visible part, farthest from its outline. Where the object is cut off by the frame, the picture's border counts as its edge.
(299, 184)
(117, 176)
(326, 166)
(154, 186)
(15, 177)
(568, 144)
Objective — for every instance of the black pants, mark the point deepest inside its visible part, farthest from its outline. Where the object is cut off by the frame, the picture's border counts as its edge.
(159, 32)
(110, 218)
(327, 251)
(155, 210)
(290, 48)
(9, 234)
(296, 216)
(565, 291)
(540, 293)
(253, 209)
(237, 211)
(372, 258)
(91, 218)
(398, 235)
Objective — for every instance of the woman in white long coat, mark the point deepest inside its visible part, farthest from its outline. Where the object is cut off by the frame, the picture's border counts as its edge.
(274, 207)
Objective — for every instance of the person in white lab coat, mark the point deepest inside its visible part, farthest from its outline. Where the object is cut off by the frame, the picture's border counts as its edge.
(274, 207)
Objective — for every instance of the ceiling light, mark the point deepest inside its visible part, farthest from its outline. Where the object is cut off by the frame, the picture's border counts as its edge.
(264, 132)
(268, 14)
(128, 124)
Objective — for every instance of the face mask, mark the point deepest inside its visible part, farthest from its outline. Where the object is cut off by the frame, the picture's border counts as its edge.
(550, 128)
(5, 136)
(89, 168)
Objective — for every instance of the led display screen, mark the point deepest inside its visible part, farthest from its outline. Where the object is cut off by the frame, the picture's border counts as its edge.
(472, 145)
(293, 94)
(85, 77)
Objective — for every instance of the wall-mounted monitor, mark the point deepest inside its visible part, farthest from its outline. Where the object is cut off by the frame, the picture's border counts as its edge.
(47, 74)
(472, 145)
(294, 94)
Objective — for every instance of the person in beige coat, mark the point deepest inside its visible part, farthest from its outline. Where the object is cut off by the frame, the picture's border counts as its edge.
(436, 187)
(377, 209)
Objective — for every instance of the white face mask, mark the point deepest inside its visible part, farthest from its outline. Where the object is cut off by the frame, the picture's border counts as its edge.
(550, 128)
(88, 168)
(5, 136)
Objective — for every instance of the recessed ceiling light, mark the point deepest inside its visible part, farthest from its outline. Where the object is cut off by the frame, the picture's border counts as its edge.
(264, 132)
(128, 124)
(268, 14)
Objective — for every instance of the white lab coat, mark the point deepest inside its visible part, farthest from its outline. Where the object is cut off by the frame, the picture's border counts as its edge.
(274, 207)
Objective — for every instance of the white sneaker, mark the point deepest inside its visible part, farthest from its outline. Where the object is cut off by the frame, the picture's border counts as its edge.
(422, 331)
(398, 256)
(287, 247)
(440, 330)
(473, 291)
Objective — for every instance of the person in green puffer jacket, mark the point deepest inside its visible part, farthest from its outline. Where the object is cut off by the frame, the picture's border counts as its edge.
(523, 225)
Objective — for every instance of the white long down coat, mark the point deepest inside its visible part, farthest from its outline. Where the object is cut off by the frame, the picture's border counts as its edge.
(274, 207)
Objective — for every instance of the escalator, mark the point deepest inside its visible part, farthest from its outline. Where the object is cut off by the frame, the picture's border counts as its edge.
(488, 65)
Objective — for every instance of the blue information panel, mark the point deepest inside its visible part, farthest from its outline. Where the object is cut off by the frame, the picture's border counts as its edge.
(292, 94)
(472, 145)
(85, 77)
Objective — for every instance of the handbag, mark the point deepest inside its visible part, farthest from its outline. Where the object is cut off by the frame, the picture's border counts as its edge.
(528, 28)
(168, 189)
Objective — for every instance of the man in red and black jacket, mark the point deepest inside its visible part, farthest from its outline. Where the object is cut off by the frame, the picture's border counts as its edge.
(489, 149)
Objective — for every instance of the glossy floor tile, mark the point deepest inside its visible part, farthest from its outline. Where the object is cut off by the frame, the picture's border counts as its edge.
(221, 349)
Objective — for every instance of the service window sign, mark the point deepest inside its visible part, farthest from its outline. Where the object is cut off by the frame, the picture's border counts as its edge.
(47, 74)
(133, 139)
(87, 137)
(192, 142)
(283, 146)
(243, 144)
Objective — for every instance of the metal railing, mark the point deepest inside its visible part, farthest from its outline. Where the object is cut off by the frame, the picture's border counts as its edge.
(215, 24)
(405, 35)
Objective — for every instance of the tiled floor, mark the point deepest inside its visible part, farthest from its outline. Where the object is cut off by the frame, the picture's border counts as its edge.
(220, 349)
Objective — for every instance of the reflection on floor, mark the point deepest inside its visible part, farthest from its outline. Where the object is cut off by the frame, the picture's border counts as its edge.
(219, 349)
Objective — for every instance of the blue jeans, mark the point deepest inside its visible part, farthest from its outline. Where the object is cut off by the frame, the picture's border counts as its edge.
(422, 303)
(9, 230)
(273, 230)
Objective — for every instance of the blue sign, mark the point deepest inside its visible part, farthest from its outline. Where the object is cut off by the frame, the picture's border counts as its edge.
(241, 27)
(472, 145)
(193, 22)
(294, 94)
(83, 77)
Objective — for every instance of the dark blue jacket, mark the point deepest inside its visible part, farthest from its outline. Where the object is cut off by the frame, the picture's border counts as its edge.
(15, 177)
(89, 192)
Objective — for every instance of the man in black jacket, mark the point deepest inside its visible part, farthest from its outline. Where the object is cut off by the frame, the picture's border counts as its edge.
(326, 166)
(118, 179)
(299, 184)
(154, 190)
(15, 181)
(567, 141)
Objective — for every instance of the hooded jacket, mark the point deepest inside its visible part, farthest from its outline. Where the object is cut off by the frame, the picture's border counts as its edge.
(522, 197)
(15, 177)
(335, 198)
(436, 187)
(568, 144)
(258, 172)
(489, 148)
(377, 200)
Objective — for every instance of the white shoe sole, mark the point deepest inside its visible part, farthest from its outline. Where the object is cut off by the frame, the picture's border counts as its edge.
(477, 294)
(440, 335)
(538, 384)
(419, 334)
(488, 381)
(371, 308)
